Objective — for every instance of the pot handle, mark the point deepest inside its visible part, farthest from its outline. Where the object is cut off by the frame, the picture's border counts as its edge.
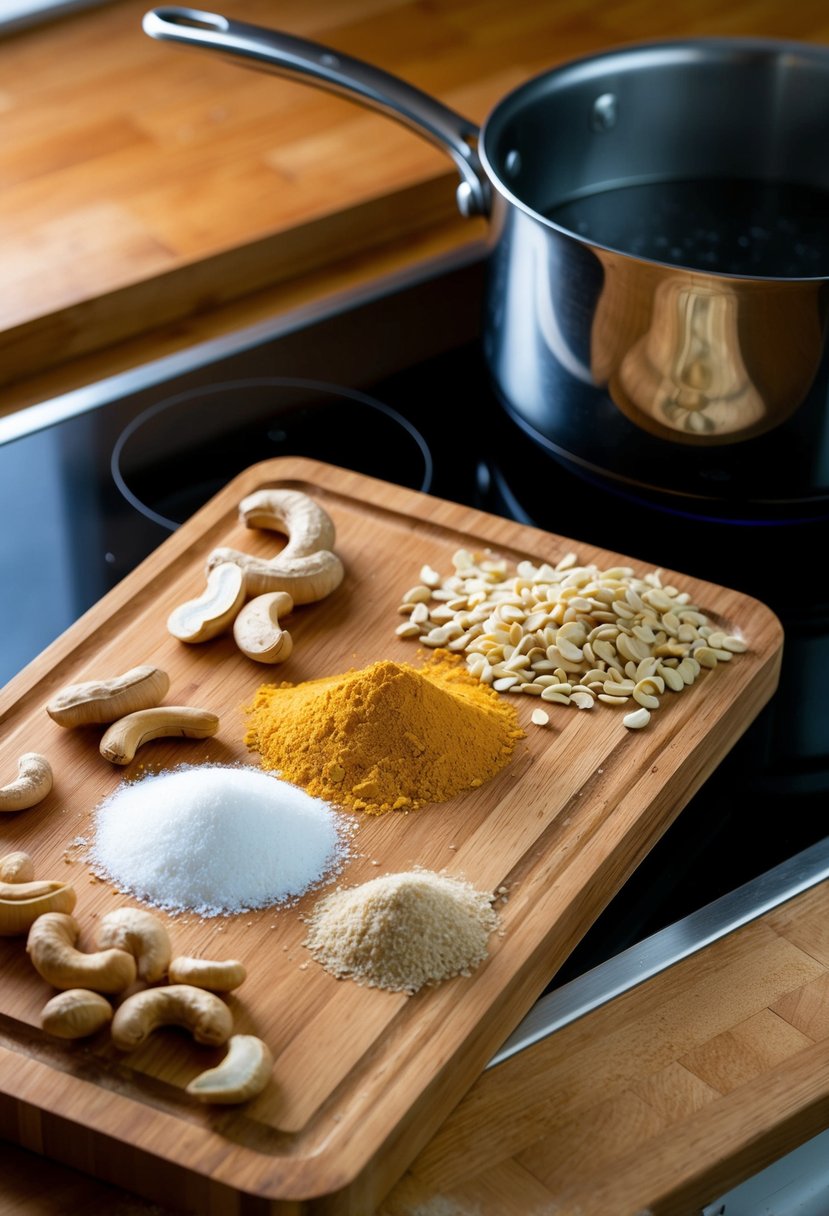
(313, 63)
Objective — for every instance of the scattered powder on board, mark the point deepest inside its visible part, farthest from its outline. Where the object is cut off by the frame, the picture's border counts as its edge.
(387, 737)
(216, 839)
(402, 931)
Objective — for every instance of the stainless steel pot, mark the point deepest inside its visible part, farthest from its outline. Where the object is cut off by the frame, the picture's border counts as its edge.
(659, 246)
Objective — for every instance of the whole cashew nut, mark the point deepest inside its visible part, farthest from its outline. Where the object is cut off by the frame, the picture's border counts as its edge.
(75, 1013)
(123, 739)
(34, 781)
(142, 935)
(217, 975)
(16, 867)
(257, 631)
(19, 913)
(99, 701)
(206, 1016)
(306, 568)
(243, 1073)
(305, 523)
(19, 892)
(51, 947)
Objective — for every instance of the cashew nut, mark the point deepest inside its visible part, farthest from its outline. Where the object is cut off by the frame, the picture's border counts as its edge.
(51, 947)
(123, 739)
(18, 913)
(203, 1014)
(200, 619)
(34, 781)
(306, 568)
(306, 579)
(75, 1013)
(142, 935)
(218, 976)
(13, 892)
(243, 1073)
(16, 867)
(99, 701)
(257, 631)
(305, 523)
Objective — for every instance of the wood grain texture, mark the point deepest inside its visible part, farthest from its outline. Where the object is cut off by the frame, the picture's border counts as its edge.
(659, 1102)
(512, 1147)
(363, 1078)
(142, 183)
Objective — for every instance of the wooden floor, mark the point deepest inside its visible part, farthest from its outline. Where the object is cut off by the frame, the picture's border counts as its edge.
(142, 183)
(663, 1099)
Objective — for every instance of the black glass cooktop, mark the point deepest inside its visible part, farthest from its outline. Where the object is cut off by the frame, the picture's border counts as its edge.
(392, 383)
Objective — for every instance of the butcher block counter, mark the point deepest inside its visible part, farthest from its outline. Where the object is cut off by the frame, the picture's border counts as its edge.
(148, 189)
(154, 197)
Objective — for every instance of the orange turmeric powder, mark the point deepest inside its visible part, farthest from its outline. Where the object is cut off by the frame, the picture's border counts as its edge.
(389, 737)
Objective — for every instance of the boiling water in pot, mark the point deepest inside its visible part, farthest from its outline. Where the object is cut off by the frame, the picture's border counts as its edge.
(728, 227)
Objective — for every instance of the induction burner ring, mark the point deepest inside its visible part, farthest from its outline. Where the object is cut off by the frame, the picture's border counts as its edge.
(174, 456)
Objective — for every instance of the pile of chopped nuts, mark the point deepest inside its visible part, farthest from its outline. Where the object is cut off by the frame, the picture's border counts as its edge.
(569, 634)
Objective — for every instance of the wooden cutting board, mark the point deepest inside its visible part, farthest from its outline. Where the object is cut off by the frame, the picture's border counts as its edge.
(362, 1077)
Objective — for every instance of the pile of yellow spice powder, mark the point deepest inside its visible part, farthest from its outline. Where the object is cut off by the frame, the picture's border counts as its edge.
(387, 737)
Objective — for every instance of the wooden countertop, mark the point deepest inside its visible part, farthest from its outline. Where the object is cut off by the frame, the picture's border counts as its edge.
(148, 189)
(654, 1102)
(152, 197)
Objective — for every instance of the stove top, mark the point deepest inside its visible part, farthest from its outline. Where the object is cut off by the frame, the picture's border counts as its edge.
(391, 382)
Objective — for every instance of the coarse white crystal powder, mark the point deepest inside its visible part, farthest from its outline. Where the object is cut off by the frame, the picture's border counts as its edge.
(215, 840)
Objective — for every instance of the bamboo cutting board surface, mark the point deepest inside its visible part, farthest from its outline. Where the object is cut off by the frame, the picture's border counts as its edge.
(362, 1077)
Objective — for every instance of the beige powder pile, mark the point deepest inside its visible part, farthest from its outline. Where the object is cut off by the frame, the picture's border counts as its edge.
(402, 931)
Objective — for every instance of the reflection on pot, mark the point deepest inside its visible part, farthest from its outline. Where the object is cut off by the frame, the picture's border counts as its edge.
(687, 373)
(708, 359)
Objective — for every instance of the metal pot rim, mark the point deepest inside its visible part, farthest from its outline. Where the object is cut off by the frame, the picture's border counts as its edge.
(632, 57)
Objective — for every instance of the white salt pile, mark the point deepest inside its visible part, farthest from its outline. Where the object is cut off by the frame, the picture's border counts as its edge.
(215, 840)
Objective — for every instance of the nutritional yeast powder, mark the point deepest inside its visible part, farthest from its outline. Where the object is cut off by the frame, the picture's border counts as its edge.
(402, 931)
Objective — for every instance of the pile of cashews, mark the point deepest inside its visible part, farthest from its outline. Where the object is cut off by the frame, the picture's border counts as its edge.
(129, 705)
(244, 592)
(131, 945)
(250, 594)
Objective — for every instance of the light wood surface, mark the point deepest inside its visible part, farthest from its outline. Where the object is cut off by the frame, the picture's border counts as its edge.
(661, 1101)
(71, 236)
(362, 1078)
(143, 184)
